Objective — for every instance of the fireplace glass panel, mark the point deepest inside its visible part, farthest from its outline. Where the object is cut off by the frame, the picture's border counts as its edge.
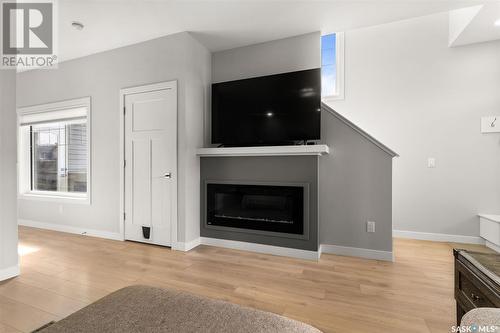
(256, 207)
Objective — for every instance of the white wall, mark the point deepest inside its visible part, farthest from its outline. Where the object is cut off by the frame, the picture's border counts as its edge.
(198, 79)
(8, 184)
(101, 76)
(423, 99)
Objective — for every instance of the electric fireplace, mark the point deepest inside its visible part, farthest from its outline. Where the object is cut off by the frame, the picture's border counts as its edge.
(258, 208)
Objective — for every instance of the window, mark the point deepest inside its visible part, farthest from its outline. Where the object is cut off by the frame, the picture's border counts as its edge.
(332, 66)
(54, 150)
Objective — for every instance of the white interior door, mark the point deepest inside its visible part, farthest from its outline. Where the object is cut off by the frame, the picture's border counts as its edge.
(151, 165)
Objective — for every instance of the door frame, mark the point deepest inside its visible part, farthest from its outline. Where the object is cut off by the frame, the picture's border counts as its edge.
(137, 90)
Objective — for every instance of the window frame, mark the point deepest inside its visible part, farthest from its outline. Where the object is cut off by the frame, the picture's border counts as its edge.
(339, 63)
(24, 154)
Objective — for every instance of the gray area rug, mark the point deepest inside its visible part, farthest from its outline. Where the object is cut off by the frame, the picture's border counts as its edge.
(147, 309)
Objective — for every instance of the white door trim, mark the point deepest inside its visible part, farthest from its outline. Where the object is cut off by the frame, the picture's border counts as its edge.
(129, 91)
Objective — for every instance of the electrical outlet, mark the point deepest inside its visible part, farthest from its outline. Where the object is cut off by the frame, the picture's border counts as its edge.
(370, 226)
(431, 162)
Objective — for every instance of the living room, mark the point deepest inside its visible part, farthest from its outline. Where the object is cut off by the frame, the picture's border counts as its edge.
(301, 162)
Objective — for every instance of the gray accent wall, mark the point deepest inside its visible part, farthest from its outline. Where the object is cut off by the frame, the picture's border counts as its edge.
(8, 171)
(268, 169)
(101, 76)
(279, 56)
(355, 186)
(355, 178)
(274, 57)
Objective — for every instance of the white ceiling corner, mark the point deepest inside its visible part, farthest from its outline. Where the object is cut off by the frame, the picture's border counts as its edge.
(474, 24)
(222, 25)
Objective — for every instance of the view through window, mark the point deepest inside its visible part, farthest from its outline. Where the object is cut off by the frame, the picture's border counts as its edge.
(54, 150)
(329, 65)
(59, 156)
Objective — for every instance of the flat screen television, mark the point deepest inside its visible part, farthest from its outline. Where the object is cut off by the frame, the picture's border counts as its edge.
(268, 110)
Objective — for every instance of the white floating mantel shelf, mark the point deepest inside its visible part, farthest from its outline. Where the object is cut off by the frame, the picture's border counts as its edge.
(298, 150)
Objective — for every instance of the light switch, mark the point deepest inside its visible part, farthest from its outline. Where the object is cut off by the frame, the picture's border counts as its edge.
(431, 162)
(490, 124)
(370, 226)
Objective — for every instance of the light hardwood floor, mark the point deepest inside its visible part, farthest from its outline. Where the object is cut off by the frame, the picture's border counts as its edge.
(62, 273)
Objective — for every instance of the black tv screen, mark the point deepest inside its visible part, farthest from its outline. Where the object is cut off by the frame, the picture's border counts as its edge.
(267, 110)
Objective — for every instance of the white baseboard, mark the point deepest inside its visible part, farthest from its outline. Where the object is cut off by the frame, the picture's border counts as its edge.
(285, 251)
(71, 229)
(186, 246)
(8, 273)
(261, 248)
(438, 237)
(493, 246)
(357, 252)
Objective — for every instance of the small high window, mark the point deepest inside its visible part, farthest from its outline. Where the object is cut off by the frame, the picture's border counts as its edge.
(332, 66)
(54, 150)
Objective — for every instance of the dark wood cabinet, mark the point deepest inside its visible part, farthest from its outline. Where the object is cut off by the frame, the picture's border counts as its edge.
(477, 282)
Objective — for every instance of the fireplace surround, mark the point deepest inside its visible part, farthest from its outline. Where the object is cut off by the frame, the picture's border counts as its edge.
(286, 171)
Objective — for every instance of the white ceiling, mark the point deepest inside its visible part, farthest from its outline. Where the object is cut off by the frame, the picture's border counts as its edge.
(222, 24)
(475, 24)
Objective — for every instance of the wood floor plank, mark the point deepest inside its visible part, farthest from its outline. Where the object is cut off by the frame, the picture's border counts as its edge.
(8, 329)
(42, 299)
(62, 273)
(23, 317)
(71, 289)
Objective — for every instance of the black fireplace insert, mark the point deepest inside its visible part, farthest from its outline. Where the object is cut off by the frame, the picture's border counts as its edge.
(267, 208)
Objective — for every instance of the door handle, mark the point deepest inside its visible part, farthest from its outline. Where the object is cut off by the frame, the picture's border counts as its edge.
(168, 175)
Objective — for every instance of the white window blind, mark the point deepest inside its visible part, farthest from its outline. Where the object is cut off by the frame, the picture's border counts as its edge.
(28, 119)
